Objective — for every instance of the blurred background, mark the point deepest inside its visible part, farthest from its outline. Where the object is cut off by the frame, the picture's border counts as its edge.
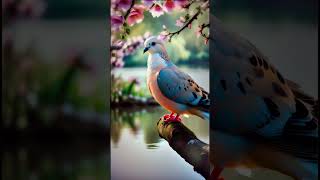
(56, 85)
(54, 89)
(286, 32)
(137, 151)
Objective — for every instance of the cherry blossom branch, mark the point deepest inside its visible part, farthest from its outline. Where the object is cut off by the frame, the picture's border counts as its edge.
(115, 48)
(204, 6)
(151, 6)
(194, 17)
(119, 50)
(129, 10)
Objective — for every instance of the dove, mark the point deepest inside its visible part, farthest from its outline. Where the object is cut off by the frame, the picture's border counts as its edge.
(172, 88)
(260, 118)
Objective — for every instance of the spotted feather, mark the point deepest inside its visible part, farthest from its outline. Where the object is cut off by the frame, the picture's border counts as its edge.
(171, 78)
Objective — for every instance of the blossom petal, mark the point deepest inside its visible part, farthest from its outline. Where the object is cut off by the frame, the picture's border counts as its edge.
(136, 15)
(169, 5)
(156, 10)
(116, 21)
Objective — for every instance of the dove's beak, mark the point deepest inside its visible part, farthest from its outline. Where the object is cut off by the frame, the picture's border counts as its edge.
(145, 49)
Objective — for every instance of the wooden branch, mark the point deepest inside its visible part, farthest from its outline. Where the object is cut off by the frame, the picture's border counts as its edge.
(187, 145)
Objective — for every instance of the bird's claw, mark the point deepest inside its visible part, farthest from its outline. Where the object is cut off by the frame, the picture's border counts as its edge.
(166, 116)
(170, 118)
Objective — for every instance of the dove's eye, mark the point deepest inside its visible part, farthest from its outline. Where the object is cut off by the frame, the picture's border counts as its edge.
(153, 43)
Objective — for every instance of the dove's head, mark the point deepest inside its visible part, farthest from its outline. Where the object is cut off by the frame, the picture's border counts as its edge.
(154, 45)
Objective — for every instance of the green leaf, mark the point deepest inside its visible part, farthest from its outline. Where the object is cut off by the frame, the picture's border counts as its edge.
(128, 31)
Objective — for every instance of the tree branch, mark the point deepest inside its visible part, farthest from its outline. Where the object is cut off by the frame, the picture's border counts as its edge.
(115, 48)
(195, 16)
(129, 10)
(203, 26)
(187, 145)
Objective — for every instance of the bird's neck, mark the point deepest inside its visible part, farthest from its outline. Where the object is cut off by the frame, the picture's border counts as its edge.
(164, 54)
(156, 61)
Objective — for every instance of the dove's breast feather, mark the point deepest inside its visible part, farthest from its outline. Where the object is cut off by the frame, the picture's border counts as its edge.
(159, 97)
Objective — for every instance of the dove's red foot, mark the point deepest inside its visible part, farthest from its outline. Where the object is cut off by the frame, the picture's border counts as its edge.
(171, 118)
(216, 173)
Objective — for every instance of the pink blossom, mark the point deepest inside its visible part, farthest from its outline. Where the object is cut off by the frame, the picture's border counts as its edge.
(180, 22)
(117, 62)
(130, 49)
(140, 40)
(124, 4)
(163, 36)
(113, 60)
(136, 15)
(119, 54)
(168, 5)
(130, 46)
(118, 43)
(156, 10)
(116, 22)
(190, 26)
(181, 3)
(148, 3)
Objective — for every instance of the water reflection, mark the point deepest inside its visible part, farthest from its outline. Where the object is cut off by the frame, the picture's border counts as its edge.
(135, 143)
(143, 122)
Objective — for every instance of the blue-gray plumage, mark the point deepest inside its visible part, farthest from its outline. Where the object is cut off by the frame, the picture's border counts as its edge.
(271, 118)
(180, 87)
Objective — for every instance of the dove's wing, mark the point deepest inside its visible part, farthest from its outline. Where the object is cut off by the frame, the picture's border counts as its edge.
(273, 107)
(181, 88)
